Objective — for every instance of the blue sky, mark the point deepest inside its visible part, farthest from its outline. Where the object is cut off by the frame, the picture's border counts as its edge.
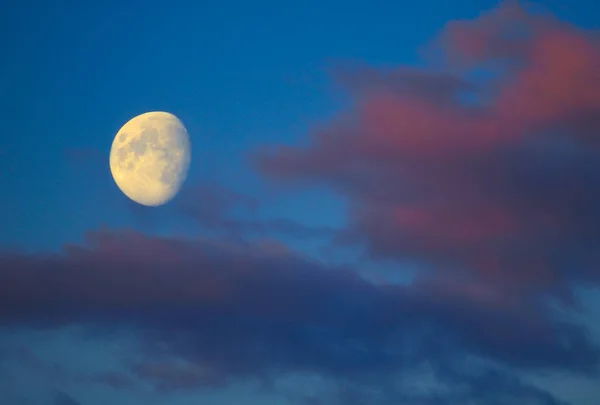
(237, 74)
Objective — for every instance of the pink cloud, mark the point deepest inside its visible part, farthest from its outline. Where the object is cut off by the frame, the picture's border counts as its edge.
(502, 188)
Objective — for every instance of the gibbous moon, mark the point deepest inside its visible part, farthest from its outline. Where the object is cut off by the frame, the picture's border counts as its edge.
(150, 157)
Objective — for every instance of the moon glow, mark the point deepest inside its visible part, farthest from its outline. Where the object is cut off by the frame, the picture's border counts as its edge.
(150, 157)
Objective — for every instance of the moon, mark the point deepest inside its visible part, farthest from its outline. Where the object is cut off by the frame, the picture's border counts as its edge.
(150, 157)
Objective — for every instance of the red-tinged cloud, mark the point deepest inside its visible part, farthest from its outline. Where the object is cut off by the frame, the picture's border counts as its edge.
(209, 313)
(235, 309)
(482, 167)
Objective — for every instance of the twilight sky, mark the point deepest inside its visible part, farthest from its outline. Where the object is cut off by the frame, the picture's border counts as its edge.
(387, 204)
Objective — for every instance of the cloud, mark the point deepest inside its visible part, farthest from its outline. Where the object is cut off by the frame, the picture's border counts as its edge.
(481, 166)
(169, 375)
(210, 312)
(62, 398)
(211, 204)
(218, 209)
(113, 379)
(432, 85)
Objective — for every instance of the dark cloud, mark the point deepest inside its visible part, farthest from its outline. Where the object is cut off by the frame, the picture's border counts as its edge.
(259, 310)
(438, 87)
(168, 375)
(116, 380)
(212, 205)
(494, 388)
(217, 209)
(488, 387)
(62, 398)
(483, 169)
